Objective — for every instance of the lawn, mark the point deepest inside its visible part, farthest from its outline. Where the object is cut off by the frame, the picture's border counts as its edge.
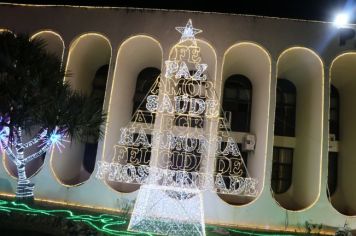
(36, 219)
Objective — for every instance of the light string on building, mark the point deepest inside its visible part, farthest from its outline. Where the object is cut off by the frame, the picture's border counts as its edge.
(171, 150)
(14, 147)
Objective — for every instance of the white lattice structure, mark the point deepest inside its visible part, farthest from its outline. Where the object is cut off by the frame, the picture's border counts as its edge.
(168, 211)
(170, 199)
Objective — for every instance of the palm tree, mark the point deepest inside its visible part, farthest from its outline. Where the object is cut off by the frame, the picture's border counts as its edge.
(33, 97)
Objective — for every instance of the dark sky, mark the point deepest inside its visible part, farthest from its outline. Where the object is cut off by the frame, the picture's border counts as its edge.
(299, 9)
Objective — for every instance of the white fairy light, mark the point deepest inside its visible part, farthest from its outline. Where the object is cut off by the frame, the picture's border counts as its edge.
(4, 135)
(182, 215)
(200, 70)
(15, 150)
(184, 152)
(171, 68)
(55, 139)
(183, 71)
(127, 173)
(188, 32)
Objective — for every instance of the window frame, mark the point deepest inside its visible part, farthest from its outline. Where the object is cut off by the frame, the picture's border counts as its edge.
(147, 75)
(276, 168)
(241, 84)
(285, 112)
(98, 89)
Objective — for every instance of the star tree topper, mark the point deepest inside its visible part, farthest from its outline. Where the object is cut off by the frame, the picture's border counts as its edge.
(188, 32)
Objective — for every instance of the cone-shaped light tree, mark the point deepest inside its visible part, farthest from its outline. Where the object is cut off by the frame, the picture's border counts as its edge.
(34, 101)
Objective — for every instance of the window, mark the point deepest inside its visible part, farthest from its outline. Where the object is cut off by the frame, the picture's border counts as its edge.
(98, 90)
(90, 156)
(334, 112)
(333, 129)
(237, 101)
(285, 108)
(144, 86)
(284, 126)
(332, 173)
(282, 169)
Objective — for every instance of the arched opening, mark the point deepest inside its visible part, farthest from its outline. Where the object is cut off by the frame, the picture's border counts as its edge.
(342, 131)
(236, 104)
(138, 63)
(54, 44)
(246, 78)
(284, 126)
(88, 64)
(298, 141)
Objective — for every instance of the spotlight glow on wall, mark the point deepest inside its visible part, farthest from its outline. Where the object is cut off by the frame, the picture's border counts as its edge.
(341, 19)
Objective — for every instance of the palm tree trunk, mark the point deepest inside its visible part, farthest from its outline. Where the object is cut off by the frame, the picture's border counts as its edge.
(24, 186)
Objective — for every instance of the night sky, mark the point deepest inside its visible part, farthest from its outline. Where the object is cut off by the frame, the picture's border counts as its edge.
(299, 9)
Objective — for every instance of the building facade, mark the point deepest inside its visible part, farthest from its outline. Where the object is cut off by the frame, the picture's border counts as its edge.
(287, 86)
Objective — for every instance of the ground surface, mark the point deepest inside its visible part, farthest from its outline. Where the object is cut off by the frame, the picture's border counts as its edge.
(34, 219)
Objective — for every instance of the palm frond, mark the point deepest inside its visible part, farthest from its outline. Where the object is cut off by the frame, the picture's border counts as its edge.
(33, 93)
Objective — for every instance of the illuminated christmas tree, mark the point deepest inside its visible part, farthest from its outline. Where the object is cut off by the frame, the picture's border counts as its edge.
(35, 102)
(172, 145)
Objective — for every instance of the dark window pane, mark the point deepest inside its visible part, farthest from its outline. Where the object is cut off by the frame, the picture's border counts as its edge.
(144, 86)
(334, 112)
(289, 98)
(333, 102)
(285, 108)
(98, 91)
(230, 93)
(237, 99)
(282, 167)
(90, 156)
(334, 115)
(332, 173)
(244, 94)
